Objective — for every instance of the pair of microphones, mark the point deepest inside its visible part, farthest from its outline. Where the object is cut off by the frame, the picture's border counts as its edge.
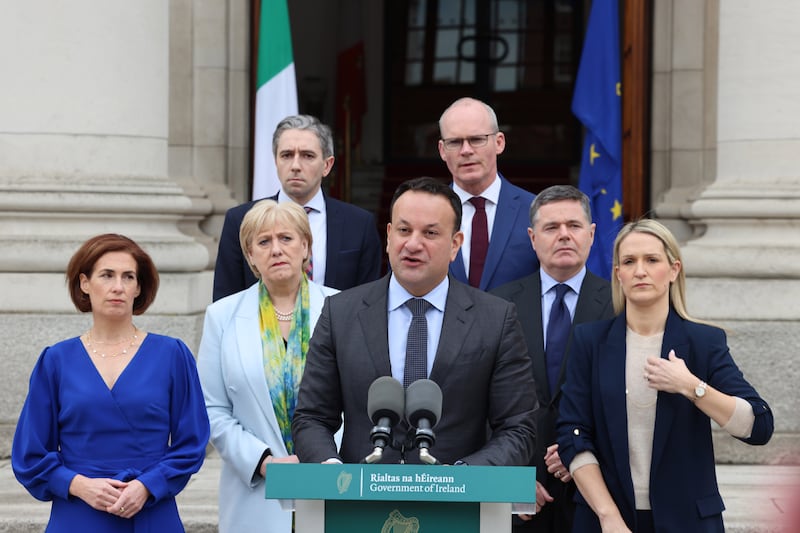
(388, 402)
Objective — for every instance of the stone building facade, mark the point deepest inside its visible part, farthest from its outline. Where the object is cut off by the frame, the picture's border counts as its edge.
(132, 117)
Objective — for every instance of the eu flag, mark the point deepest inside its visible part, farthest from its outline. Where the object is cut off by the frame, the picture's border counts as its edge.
(596, 103)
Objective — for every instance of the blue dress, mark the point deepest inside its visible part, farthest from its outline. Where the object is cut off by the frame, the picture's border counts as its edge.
(151, 426)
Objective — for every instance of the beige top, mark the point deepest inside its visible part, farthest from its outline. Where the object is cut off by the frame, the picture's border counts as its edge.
(640, 403)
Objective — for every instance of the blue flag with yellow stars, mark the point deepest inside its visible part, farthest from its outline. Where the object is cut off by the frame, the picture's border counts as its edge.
(596, 103)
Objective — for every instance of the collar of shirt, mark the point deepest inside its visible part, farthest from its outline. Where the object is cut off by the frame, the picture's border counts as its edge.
(399, 319)
(549, 296)
(491, 193)
(317, 202)
(398, 295)
(574, 282)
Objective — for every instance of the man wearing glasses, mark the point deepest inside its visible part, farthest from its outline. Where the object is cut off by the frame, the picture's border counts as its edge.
(496, 248)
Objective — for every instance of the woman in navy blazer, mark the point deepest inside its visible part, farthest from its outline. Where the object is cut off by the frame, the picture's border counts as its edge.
(634, 428)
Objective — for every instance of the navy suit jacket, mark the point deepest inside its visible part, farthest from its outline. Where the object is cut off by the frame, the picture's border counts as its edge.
(354, 250)
(510, 255)
(481, 366)
(683, 487)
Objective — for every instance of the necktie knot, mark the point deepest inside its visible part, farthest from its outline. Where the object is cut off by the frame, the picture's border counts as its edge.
(418, 306)
(479, 202)
(308, 209)
(561, 290)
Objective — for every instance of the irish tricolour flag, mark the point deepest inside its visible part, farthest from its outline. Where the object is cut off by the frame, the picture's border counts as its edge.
(276, 93)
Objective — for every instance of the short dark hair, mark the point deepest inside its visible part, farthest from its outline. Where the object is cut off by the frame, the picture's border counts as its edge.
(84, 260)
(430, 186)
(558, 193)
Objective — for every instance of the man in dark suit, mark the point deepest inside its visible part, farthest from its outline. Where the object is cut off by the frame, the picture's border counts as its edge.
(475, 350)
(346, 250)
(561, 232)
(496, 249)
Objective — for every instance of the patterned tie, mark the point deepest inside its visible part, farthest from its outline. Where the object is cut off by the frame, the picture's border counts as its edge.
(479, 242)
(416, 366)
(557, 334)
(310, 267)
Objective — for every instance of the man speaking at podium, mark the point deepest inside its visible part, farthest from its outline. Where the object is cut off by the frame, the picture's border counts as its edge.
(469, 342)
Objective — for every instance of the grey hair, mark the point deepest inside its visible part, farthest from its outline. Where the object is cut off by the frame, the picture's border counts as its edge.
(558, 193)
(309, 123)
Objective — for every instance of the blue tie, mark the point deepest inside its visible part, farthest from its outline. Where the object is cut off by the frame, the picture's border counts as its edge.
(557, 334)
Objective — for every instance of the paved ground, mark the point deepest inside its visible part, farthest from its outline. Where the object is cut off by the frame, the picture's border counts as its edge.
(757, 499)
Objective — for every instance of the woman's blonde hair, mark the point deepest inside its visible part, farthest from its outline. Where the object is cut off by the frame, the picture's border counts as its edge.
(677, 289)
(264, 215)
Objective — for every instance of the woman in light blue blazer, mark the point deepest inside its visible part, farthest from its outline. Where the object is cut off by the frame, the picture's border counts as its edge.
(251, 359)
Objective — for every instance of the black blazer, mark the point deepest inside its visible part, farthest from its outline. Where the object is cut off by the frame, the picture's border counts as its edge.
(481, 366)
(353, 249)
(594, 303)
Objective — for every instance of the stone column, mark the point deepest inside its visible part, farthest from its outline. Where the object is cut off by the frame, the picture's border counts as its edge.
(744, 264)
(83, 146)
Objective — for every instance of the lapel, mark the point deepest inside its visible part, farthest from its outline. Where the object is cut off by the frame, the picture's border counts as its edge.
(588, 308)
(675, 338)
(529, 311)
(250, 355)
(334, 230)
(505, 214)
(457, 322)
(374, 322)
(591, 301)
(611, 380)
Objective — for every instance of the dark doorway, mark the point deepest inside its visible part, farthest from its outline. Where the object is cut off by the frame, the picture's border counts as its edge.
(519, 56)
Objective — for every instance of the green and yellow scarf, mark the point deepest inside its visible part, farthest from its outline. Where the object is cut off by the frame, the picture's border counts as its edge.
(284, 364)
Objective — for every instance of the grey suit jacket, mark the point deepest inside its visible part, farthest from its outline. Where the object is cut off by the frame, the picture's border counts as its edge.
(481, 366)
(594, 303)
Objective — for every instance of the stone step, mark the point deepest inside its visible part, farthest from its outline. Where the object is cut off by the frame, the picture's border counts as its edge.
(757, 499)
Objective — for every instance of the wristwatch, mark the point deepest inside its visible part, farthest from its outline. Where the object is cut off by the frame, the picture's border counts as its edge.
(700, 390)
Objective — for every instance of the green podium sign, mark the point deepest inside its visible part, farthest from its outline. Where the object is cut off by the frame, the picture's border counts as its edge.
(391, 498)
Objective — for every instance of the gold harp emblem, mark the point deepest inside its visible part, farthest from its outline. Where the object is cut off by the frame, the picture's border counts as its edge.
(397, 523)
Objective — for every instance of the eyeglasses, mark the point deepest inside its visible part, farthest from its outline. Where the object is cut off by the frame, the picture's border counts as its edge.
(475, 141)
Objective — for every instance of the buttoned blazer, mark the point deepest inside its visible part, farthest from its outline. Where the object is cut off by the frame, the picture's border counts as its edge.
(510, 255)
(683, 488)
(353, 248)
(481, 366)
(594, 303)
(243, 423)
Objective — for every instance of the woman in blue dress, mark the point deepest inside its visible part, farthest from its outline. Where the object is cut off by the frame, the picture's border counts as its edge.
(114, 424)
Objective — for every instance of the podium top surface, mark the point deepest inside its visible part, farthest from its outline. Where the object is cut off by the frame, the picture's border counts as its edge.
(498, 484)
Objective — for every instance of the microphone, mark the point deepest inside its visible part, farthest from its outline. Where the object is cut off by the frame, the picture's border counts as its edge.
(385, 403)
(423, 410)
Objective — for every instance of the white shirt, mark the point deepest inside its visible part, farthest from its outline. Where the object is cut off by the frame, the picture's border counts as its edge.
(492, 196)
(318, 219)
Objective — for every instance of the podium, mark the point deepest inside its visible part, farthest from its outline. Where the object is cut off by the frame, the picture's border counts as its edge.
(393, 498)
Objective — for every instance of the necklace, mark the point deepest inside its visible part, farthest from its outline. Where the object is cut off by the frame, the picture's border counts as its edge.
(283, 317)
(91, 343)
